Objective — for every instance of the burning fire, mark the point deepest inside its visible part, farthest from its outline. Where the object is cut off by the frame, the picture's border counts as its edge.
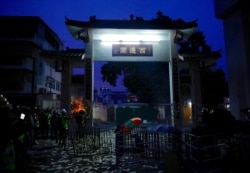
(77, 105)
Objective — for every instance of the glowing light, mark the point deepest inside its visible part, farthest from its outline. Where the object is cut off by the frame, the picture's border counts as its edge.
(190, 104)
(130, 38)
(83, 56)
(120, 42)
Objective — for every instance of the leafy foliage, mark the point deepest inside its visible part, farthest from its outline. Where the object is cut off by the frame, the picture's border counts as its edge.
(148, 80)
(213, 81)
(214, 87)
(195, 44)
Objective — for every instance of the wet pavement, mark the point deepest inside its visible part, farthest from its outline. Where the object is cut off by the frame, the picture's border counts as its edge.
(47, 157)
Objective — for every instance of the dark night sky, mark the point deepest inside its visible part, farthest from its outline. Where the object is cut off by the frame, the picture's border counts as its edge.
(54, 11)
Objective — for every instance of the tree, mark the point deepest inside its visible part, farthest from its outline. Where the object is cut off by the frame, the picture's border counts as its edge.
(213, 81)
(214, 87)
(195, 44)
(148, 80)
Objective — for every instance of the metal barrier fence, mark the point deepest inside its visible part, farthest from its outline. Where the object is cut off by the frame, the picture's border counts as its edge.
(142, 147)
(206, 153)
(90, 140)
(138, 147)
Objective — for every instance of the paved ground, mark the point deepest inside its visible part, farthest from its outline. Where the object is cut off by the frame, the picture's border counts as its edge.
(48, 157)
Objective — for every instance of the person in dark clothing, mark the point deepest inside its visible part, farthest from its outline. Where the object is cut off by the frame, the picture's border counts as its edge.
(29, 124)
(222, 121)
(36, 125)
(23, 133)
(216, 121)
(54, 125)
(14, 135)
(63, 127)
(139, 144)
(80, 116)
(7, 151)
(43, 124)
(119, 142)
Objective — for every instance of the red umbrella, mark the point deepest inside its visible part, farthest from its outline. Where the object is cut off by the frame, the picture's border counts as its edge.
(131, 123)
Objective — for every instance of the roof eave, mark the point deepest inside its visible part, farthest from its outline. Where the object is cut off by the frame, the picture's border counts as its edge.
(79, 29)
(207, 59)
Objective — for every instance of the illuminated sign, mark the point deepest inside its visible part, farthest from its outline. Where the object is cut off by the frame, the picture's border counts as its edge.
(132, 50)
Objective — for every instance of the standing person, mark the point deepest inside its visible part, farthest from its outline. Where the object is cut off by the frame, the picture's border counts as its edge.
(63, 127)
(45, 118)
(21, 128)
(36, 124)
(48, 123)
(54, 125)
(43, 123)
(139, 144)
(7, 150)
(29, 121)
(119, 142)
(80, 116)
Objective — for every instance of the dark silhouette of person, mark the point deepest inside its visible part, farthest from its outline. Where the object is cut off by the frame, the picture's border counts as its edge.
(80, 116)
(119, 142)
(54, 125)
(139, 144)
(63, 127)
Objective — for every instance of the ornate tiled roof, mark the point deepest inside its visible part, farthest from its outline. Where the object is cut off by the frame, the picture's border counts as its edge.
(132, 24)
(78, 29)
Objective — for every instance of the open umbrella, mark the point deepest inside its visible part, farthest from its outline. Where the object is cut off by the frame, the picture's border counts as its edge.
(131, 123)
(162, 128)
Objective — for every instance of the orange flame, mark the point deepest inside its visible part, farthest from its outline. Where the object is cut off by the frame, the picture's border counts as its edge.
(77, 105)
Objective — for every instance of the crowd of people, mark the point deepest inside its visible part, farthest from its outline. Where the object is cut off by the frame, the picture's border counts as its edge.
(22, 126)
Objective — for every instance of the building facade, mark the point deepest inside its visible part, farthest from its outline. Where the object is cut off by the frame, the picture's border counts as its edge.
(236, 21)
(27, 78)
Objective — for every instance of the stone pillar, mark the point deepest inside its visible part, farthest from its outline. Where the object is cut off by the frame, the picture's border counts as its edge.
(196, 92)
(66, 86)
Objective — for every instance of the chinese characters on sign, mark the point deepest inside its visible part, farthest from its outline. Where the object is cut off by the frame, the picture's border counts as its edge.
(132, 50)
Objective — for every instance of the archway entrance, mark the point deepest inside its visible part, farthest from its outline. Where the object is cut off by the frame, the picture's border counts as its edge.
(132, 45)
(131, 41)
